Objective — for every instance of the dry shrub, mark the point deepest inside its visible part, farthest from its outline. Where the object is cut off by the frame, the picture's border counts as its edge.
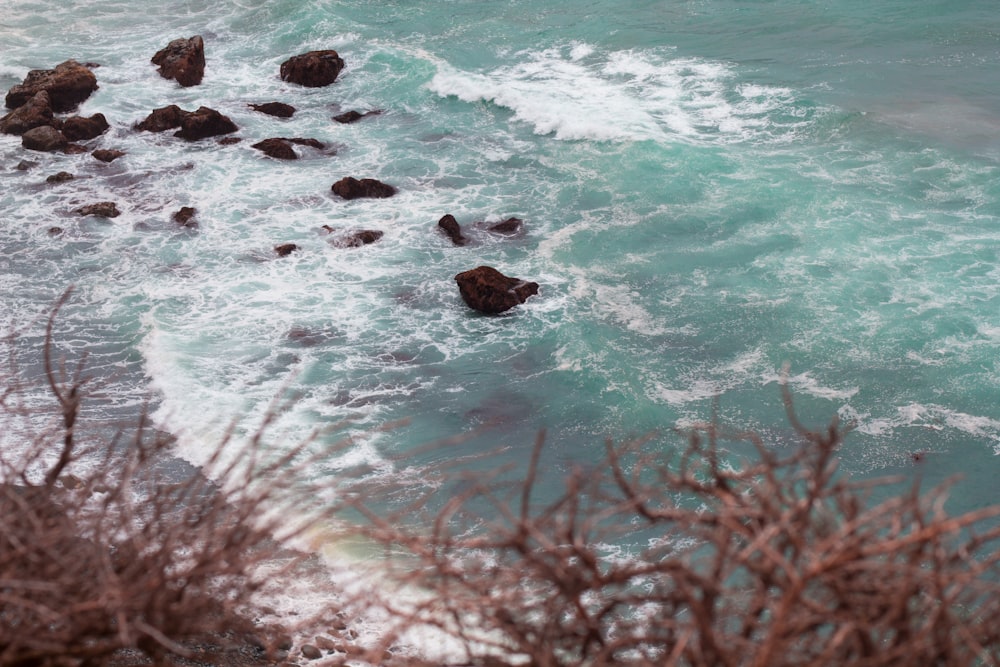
(772, 559)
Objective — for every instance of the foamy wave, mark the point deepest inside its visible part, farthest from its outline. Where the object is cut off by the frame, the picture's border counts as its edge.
(933, 417)
(624, 96)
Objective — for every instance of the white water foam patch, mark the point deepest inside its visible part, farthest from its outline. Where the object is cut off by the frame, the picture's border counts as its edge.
(932, 417)
(626, 96)
(705, 383)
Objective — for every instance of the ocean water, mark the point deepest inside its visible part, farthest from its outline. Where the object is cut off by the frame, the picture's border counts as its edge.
(710, 189)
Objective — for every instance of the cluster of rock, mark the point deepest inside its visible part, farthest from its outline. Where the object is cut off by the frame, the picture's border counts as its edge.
(45, 93)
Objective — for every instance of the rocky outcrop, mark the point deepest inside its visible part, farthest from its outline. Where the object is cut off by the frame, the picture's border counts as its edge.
(45, 138)
(353, 188)
(276, 148)
(285, 249)
(451, 227)
(182, 60)
(314, 69)
(276, 109)
(354, 116)
(487, 290)
(162, 119)
(78, 128)
(69, 84)
(204, 123)
(104, 209)
(36, 112)
(105, 155)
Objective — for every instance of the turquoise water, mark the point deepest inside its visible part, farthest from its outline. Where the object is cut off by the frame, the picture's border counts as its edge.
(710, 189)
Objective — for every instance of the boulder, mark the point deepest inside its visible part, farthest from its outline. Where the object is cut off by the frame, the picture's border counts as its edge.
(184, 217)
(451, 227)
(311, 143)
(60, 177)
(78, 128)
(182, 60)
(487, 290)
(310, 652)
(276, 109)
(508, 227)
(285, 249)
(204, 123)
(352, 188)
(67, 85)
(105, 155)
(276, 148)
(314, 69)
(36, 112)
(104, 209)
(162, 119)
(357, 239)
(353, 116)
(44, 138)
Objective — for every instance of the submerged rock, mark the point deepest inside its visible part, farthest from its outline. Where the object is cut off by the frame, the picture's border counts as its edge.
(104, 209)
(105, 155)
(69, 84)
(182, 60)
(36, 112)
(185, 217)
(487, 290)
(508, 227)
(78, 128)
(60, 177)
(357, 239)
(277, 109)
(45, 138)
(354, 116)
(314, 69)
(285, 249)
(353, 188)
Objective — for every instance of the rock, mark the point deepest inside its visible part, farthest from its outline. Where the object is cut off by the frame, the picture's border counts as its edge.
(353, 116)
(352, 188)
(36, 112)
(162, 119)
(105, 209)
(67, 85)
(78, 128)
(60, 177)
(454, 231)
(508, 227)
(74, 149)
(487, 290)
(312, 143)
(184, 217)
(229, 141)
(358, 238)
(107, 155)
(25, 165)
(285, 249)
(182, 60)
(277, 109)
(204, 123)
(314, 69)
(55, 231)
(325, 643)
(45, 138)
(277, 148)
(310, 652)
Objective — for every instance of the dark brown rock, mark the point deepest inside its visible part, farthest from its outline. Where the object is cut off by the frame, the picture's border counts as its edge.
(67, 85)
(182, 60)
(162, 119)
(78, 128)
(25, 165)
(229, 141)
(105, 155)
(184, 217)
(507, 227)
(454, 231)
(311, 143)
(36, 112)
(74, 149)
(276, 148)
(55, 231)
(277, 109)
(285, 249)
(352, 188)
(310, 652)
(204, 123)
(354, 116)
(60, 177)
(487, 290)
(313, 69)
(45, 138)
(357, 239)
(104, 209)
